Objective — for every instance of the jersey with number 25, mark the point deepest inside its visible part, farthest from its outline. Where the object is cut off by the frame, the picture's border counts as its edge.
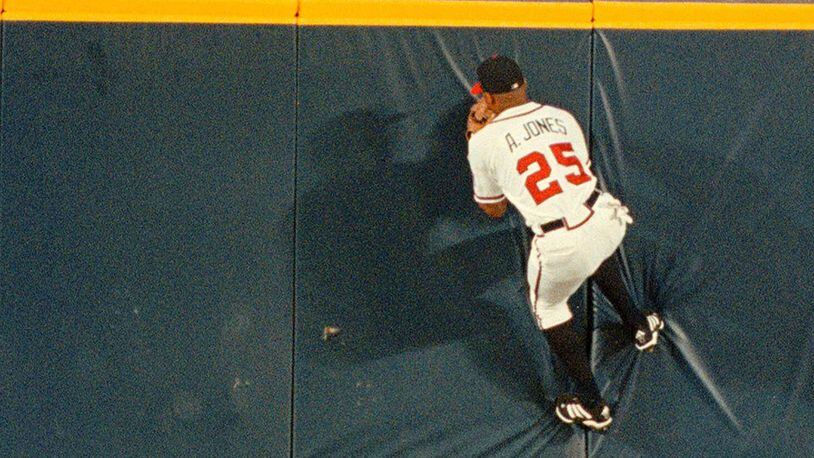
(536, 157)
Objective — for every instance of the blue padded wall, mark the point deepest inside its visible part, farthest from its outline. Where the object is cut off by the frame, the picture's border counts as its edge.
(147, 238)
(174, 196)
(707, 136)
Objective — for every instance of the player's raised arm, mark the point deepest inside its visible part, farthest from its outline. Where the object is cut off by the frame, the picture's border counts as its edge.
(486, 191)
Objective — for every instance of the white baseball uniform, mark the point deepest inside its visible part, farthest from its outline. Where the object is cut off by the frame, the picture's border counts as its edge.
(536, 157)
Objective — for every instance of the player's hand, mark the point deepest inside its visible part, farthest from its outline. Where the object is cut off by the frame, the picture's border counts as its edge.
(479, 116)
(620, 212)
(623, 215)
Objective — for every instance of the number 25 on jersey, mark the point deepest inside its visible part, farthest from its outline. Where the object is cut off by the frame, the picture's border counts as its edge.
(566, 160)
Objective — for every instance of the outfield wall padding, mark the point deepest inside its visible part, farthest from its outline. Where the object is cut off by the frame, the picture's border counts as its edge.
(188, 208)
(147, 238)
(707, 136)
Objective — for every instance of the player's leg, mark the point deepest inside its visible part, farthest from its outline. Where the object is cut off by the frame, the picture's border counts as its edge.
(608, 226)
(548, 295)
(571, 349)
(644, 328)
(609, 280)
(587, 406)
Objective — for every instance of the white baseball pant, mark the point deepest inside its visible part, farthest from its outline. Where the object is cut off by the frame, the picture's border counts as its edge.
(562, 259)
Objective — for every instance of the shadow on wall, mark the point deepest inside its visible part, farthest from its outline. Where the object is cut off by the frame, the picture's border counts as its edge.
(370, 260)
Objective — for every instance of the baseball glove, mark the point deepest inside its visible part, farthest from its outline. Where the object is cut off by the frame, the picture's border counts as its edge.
(479, 116)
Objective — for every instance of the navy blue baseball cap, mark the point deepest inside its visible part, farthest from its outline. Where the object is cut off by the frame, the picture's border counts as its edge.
(497, 75)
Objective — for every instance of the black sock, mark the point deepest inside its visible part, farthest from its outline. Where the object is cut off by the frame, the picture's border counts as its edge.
(609, 279)
(570, 348)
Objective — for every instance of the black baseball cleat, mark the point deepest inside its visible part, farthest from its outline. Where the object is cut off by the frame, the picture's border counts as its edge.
(570, 410)
(647, 337)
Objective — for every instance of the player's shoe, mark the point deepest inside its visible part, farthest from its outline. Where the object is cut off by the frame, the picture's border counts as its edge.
(570, 410)
(648, 336)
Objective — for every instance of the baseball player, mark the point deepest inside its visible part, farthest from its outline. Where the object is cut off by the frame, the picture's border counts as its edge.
(534, 156)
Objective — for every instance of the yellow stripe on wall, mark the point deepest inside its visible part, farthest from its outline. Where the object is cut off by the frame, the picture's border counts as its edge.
(434, 13)
(188, 11)
(426, 13)
(703, 16)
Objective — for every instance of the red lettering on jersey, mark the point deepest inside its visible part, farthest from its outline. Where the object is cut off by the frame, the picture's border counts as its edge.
(559, 150)
(533, 180)
(554, 188)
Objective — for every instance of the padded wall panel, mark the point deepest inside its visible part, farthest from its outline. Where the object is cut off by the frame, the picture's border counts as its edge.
(147, 238)
(707, 136)
(437, 352)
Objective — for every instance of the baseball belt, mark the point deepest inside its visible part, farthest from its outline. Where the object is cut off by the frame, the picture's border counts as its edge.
(560, 223)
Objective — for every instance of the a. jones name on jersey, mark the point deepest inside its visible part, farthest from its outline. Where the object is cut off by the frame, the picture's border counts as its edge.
(535, 128)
